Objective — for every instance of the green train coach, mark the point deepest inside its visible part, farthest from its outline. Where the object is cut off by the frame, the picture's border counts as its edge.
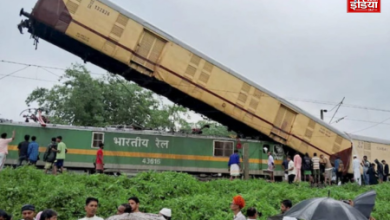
(131, 151)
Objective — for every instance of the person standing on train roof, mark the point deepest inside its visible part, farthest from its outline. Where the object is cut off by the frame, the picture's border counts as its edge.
(61, 155)
(356, 170)
(33, 151)
(366, 165)
(234, 165)
(316, 169)
(298, 166)
(99, 159)
(271, 165)
(4, 141)
(23, 148)
(385, 171)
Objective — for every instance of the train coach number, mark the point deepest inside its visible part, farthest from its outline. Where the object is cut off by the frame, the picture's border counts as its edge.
(102, 10)
(151, 161)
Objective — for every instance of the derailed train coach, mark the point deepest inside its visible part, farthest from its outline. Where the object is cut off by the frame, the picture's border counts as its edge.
(103, 33)
(130, 151)
(373, 148)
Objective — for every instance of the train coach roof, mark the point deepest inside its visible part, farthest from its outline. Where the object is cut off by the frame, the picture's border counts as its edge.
(369, 139)
(219, 65)
(128, 131)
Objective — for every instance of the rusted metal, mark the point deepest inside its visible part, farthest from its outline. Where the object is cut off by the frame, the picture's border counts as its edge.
(59, 18)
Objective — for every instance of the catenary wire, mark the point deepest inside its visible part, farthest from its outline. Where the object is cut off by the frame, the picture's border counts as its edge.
(46, 67)
(335, 104)
(9, 74)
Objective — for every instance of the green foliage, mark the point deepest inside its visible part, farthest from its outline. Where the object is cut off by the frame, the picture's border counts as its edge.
(188, 198)
(108, 100)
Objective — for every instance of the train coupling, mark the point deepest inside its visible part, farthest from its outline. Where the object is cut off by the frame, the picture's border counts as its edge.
(26, 14)
(23, 23)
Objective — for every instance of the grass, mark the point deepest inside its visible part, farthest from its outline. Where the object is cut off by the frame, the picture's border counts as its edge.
(188, 198)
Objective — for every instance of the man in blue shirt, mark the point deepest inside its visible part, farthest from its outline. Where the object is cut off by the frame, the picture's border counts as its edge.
(234, 165)
(33, 151)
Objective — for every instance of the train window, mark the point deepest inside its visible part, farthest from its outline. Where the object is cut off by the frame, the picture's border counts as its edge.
(223, 148)
(97, 138)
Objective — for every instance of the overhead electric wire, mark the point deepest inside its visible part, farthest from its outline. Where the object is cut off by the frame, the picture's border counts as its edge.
(339, 105)
(288, 98)
(9, 74)
(370, 126)
(41, 66)
(49, 71)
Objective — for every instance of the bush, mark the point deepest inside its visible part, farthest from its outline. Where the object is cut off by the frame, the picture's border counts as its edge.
(187, 197)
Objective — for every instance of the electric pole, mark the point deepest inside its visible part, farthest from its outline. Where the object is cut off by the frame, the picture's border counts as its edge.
(322, 113)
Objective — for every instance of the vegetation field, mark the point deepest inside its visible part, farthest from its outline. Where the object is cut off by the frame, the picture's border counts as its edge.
(188, 198)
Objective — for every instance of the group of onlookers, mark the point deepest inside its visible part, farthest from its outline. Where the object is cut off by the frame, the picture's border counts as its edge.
(317, 168)
(312, 168)
(28, 152)
(91, 206)
(238, 204)
(370, 175)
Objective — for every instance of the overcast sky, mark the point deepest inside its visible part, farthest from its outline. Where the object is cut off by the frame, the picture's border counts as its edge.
(308, 52)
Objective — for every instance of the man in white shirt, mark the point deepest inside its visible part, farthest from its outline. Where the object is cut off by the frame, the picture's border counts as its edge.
(91, 206)
(291, 170)
(4, 141)
(271, 165)
(356, 170)
(237, 204)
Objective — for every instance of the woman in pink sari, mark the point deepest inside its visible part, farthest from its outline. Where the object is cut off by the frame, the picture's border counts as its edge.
(297, 165)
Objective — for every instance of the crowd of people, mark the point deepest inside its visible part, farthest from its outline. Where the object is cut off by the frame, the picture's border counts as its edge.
(320, 168)
(317, 170)
(28, 152)
(29, 211)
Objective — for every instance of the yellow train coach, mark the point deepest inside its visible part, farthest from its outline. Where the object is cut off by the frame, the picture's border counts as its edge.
(373, 148)
(103, 33)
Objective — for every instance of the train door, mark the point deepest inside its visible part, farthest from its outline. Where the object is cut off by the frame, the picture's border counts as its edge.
(97, 139)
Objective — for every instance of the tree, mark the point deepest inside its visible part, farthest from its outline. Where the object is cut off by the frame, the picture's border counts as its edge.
(108, 100)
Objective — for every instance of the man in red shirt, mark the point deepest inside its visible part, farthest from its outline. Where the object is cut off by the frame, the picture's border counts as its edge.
(99, 159)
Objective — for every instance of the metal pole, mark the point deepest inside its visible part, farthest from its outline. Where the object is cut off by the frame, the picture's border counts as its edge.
(337, 110)
(246, 161)
(322, 114)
